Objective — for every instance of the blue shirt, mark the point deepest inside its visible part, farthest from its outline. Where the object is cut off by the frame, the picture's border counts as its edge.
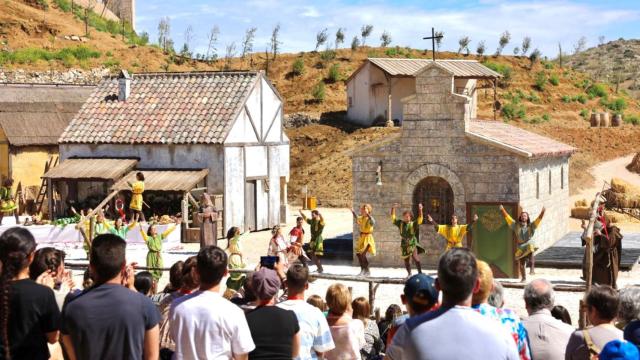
(315, 335)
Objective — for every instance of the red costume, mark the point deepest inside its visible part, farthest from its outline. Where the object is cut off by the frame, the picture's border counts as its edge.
(296, 247)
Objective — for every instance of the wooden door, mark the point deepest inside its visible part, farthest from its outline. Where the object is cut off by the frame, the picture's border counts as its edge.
(491, 239)
(250, 214)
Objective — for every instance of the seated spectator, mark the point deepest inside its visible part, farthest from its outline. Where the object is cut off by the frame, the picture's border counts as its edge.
(175, 282)
(144, 283)
(52, 260)
(455, 330)
(548, 337)
(199, 332)
(315, 336)
(561, 313)
(91, 329)
(629, 314)
(419, 296)
(496, 298)
(393, 312)
(373, 345)
(507, 318)
(602, 305)
(189, 283)
(28, 311)
(317, 301)
(275, 331)
(347, 333)
(619, 350)
(245, 297)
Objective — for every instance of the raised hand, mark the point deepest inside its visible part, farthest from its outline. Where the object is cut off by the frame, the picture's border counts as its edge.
(475, 217)
(429, 218)
(501, 207)
(420, 207)
(46, 279)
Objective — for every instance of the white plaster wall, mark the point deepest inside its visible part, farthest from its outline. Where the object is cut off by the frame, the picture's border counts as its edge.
(242, 131)
(467, 87)
(279, 167)
(401, 88)
(358, 89)
(270, 106)
(254, 106)
(262, 205)
(234, 190)
(256, 161)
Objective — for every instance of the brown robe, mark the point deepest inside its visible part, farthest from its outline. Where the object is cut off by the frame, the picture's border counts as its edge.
(209, 223)
(606, 258)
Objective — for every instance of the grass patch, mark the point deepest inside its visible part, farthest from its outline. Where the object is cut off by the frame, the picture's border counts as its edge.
(298, 67)
(597, 90)
(505, 70)
(68, 56)
(633, 119)
(334, 73)
(584, 113)
(566, 99)
(513, 110)
(554, 80)
(617, 105)
(318, 92)
(540, 81)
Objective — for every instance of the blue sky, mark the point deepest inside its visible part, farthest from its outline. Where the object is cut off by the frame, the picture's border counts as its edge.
(547, 22)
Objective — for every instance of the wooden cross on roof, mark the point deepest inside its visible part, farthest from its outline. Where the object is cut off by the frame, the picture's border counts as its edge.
(433, 38)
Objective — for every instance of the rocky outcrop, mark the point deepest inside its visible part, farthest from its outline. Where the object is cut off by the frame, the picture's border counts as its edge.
(300, 119)
(73, 76)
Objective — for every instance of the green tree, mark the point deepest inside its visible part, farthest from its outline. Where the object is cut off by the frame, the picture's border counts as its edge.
(526, 45)
(339, 37)
(321, 38)
(464, 44)
(385, 39)
(505, 37)
(365, 31)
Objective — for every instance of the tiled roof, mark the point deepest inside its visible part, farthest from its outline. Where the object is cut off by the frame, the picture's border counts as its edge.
(519, 141)
(177, 108)
(410, 67)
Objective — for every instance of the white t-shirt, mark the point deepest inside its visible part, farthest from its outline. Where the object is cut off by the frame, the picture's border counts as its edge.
(204, 325)
(458, 333)
(314, 329)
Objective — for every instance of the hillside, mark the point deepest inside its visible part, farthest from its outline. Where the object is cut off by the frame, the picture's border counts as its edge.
(614, 61)
(541, 97)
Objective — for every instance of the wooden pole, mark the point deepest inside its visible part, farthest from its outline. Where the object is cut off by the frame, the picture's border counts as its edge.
(495, 99)
(50, 197)
(587, 236)
(103, 203)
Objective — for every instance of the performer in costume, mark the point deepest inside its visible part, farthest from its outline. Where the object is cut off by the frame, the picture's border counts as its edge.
(137, 188)
(453, 233)
(296, 240)
(208, 226)
(607, 250)
(278, 246)
(154, 244)
(316, 248)
(366, 243)
(409, 242)
(234, 238)
(119, 228)
(7, 201)
(524, 230)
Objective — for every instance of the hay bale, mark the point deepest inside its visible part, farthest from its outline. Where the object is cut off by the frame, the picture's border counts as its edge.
(580, 203)
(634, 166)
(621, 186)
(613, 217)
(581, 212)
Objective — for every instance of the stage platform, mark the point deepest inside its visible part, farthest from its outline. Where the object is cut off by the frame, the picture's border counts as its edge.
(568, 252)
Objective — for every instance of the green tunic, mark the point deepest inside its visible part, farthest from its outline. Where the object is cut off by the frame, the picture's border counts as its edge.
(315, 245)
(409, 236)
(122, 231)
(6, 200)
(154, 255)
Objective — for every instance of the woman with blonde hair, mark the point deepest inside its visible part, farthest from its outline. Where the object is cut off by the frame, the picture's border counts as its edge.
(278, 246)
(347, 332)
(362, 312)
(366, 243)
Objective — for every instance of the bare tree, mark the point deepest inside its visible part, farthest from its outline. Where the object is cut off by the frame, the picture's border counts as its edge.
(560, 57)
(354, 44)
(188, 37)
(601, 40)
(481, 48)
(439, 36)
(164, 33)
(321, 38)
(505, 37)
(275, 42)
(230, 53)
(580, 45)
(212, 51)
(385, 39)
(247, 42)
(464, 44)
(534, 57)
(526, 45)
(339, 37)
(365, 31)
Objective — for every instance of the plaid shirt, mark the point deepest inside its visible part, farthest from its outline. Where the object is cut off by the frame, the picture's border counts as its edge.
(315, 335)
(512, 322)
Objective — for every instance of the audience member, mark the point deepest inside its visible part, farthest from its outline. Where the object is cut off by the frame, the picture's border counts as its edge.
(386, 324)
(87, 281)
(373, 345)
(317, 301)
(347, 333)
(455, 330)
(619, 350)
(144, 283)
(188, 283)
(175, 282)
(131, 331)
(419, 296)
(629, 314)
(275, 331)
(245, 298)
(29, 314)
(548, 336)
(52, 260)
(496, 297)
(561, 313)
(315, 336)
(602, 305)
(199, 332)
(507, 318)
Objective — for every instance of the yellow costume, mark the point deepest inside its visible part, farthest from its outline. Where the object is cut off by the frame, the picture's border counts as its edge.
(365, 225)
(524, 234)
(137, 188)
(453, 235)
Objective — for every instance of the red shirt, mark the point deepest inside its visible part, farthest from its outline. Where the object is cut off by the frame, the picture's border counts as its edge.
(298, 233)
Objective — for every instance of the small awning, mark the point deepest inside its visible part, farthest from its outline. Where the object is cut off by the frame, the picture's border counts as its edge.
(91, 169)
(164, 180)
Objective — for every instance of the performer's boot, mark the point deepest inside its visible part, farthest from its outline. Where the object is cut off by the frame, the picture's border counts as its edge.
(523, 270)
(419, 267)
(407, 265)
(318, 264)
(15, 213)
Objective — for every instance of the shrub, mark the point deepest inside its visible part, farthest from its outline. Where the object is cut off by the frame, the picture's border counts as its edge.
(111, 63)
(582, 99)
(617, 105)
(546, 117)
(327, 55)
(334, 73)
(513, 111)
(318, 92)
(540, 81)
(584, 113)
(597, 90)
(632, 119)
(565, 98)
(554, 80)
(504, 70)
(298, 67)
(63, 5)
(548, 65)
(533, 97)
(68, 56)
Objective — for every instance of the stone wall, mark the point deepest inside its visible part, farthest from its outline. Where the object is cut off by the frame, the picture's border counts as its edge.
(73, 76)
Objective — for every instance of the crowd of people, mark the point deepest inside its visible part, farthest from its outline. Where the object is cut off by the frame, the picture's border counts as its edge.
(119, 314)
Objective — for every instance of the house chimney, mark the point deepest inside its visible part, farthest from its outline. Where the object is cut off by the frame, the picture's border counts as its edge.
(124, 85)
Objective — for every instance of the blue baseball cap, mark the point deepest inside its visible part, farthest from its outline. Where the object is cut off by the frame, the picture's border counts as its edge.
(619, 350)
(420, 290)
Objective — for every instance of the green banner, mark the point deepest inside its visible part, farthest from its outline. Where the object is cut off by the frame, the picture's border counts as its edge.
(492, 239)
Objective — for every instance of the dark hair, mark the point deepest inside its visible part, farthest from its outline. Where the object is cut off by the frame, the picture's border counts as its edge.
(299, 218)
(107, 257)
(188, 280)
(232, 232)
(47, 258)
(457, 274)
(143, 282)
(392, 311)
(297, 277)
(140, 176)
(16, 244)
(212, 264)
(604, 299)
(361, 308)
(561, 313)
(175, 277)
(528, 217)
(87, 280)
(151, 226)
(8, 182)
(315, 212)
